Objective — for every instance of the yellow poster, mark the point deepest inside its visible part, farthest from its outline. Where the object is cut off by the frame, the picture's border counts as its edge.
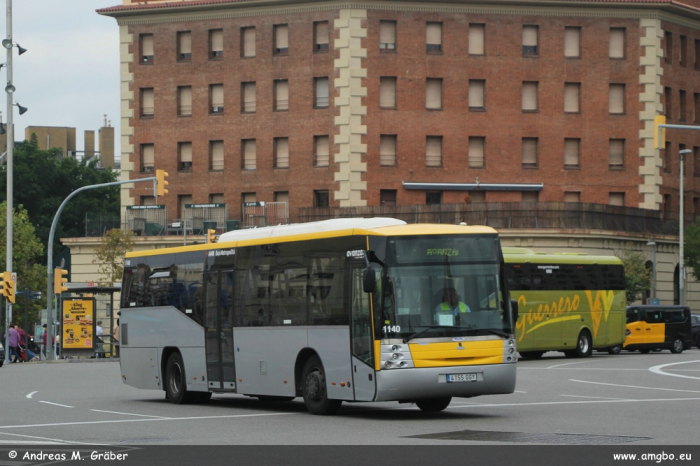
(78, 323)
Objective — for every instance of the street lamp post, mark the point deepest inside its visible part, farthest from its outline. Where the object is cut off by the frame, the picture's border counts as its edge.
(9, 89)
(652, 243)
(681, 267)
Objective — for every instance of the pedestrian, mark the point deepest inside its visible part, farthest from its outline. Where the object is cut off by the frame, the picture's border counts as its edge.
(44, 339)
(13, 343)
(115, 336)
(98, 330)
(100, 353)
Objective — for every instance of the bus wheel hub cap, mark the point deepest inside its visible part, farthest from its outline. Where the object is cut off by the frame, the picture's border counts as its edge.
(313, 385)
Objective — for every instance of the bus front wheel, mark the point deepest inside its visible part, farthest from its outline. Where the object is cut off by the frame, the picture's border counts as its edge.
(433, 405)
(314, 389)
(175, 381)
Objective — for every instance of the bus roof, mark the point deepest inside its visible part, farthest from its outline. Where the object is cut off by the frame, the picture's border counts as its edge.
(523, 255)
(324, 229)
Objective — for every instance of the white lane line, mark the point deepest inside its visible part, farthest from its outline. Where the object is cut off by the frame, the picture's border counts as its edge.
(43, 439)
(582, 402)
(659, 370)
(519, 391)
(128, 414)
(119, 421)
(596, 397)
(636, 386)
(32, 393)
(583, 368)
(567, 364)
(55, 404)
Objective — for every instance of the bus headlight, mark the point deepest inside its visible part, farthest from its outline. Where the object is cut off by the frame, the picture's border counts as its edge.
(511, 350)
(395, 356)
(396, 348)
(388, 364)
(511, 343)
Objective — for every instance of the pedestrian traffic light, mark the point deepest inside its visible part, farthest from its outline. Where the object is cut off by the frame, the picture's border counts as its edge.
(161, 184)
(211, 236)
(8, 286)
(60, 280)
(659, 120)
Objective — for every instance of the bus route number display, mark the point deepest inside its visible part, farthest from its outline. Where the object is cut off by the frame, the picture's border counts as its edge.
(78, 323)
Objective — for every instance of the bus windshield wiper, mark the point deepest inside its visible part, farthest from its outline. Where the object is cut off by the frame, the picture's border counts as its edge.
(445, 327)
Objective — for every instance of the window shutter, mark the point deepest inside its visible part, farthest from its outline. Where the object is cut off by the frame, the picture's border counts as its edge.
(387, 92)
(476, 152)
(148, 151)
(387, 150)
(249, 42)
(571, 152)
(249, 197)
(476, 93)
(147, 45)
(217, 95)
(217, 155)
(617, 152)
(617, 43)
(572, 97)
(387, 32)
(282, 153)
(572, 42)
(249, 154)
(282, 97)
(217, 40)
(571, 196)
(433, 94)
(617, 199)
(186, 152)
(249, 97)
(617, 98)
(322, 33)
(282, 196)
(322, 99)
(433, 34)
(186, 100)
(281, 36)
(476, 39)
(529, 96)
(184, 200)
(530, 36)
(185, 42)
(433, 151)
(322, 151)
(147, 102)
(530, 151)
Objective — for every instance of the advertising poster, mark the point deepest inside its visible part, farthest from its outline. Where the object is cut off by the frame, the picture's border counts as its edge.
(78, 323)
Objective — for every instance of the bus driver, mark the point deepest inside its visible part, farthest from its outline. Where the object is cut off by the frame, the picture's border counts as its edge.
(448, 311)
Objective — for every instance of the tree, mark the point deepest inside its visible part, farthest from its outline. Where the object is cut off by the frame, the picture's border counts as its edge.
(691, 247)
(110, 254)
(637, 275)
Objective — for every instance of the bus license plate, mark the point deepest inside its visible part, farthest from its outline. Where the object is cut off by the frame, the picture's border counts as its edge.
(461, 377)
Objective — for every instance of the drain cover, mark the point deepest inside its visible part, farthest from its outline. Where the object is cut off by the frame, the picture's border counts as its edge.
(522, 437)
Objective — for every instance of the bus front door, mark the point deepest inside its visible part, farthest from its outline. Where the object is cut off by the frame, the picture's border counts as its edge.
(218, 318)
(362, 342)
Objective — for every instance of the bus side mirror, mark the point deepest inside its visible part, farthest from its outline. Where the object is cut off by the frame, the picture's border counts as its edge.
(514, 307)
(368, 281)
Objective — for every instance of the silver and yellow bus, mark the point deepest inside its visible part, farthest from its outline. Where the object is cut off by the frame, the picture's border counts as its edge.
(331, 311)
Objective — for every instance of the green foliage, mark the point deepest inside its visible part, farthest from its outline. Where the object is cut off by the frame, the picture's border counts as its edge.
(110, 254)
(637, 276)
(691, 247)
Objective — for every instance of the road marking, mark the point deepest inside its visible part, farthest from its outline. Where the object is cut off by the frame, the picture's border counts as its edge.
(546, 403)
(567, 364)
(55, 404)
(598, 397)
(32, 393)
(43, 439)
(658, 370)
(128, 414)
(637, 386)
(583, 368)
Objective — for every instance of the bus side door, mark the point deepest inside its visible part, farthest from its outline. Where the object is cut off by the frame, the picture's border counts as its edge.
(218, 318)
(361, 339)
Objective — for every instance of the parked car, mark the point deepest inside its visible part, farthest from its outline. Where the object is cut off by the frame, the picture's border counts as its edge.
(695, 319)
(657, 327)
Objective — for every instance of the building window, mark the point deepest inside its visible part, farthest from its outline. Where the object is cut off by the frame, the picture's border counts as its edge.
(248, 198)
(321, 36)
(216, 43)
(321, 198)
(249, 154)
(477, 89)
(147, 158)
(616, 99)
(433, 198)
(387, 92)
(184, 156)
(387, 150)
(617, 199)
(281, 95)
(147, 103)
(387, 197)
(281, 196)
(387, 36)
(617, 43)
(529, 152)
(572, 196)
(216, 99)
(281, 153)
(217, 198)
(696, 107)
(530, 41)
(668, 47)
(146, 41)
(572, 42)
(681, 104)
(572, 148)
(668, 101)
(216, 155)
(433, 37)
(433, 94)
(696, 161)
(530, 196)
(617, 154)
(667, 157)
(572, 97)
(433, 151)
(683, 59)
(697, 54)
(248, 42)
(321, 151)
(281, 35)
(148, 200)
(529, 101)
(476, 39)
(248, 98)
(184, 46)
(184, 100)
(476, 152)
(321, 95)
(182, 201)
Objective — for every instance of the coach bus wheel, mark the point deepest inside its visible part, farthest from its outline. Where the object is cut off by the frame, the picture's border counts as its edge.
(314, 389)
(433, 405)
(584, 348)
(531, 354)
(677, 346)
(615, 349)
(175, 382)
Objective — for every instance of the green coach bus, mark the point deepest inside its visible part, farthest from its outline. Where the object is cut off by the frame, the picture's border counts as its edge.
(567, 302)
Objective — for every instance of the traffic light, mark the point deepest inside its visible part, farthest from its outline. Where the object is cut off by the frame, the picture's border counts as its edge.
(8, 287)
(161, 184)
(659, 120)
(211, 236)
(60, 281)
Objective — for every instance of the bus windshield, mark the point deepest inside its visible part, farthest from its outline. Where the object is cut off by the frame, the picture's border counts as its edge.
(454, 289)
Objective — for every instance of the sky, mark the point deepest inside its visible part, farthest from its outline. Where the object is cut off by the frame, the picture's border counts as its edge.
(69, 75)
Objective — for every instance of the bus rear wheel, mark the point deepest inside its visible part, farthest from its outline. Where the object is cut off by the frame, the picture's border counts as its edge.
(176, 383)
(584, 346)
(314, 389)
(433, 405)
